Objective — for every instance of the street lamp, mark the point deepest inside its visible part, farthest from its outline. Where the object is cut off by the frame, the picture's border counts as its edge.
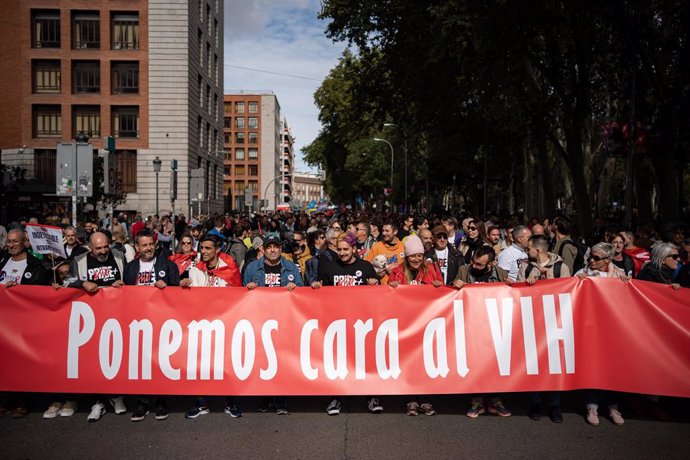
(376, 139)
(80, 138)
(386, 125)
(157, 168)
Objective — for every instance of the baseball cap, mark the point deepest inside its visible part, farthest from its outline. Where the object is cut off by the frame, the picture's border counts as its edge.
(273, 239)
(439, 229)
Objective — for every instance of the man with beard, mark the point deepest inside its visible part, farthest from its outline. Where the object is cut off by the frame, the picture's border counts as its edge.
(427, 239)
(543, 265)
(483, 270)
(347, 270)
(216, 269)
(148, 270)
(100, 267)
(445, 257)
(391, 247)
(72, 246)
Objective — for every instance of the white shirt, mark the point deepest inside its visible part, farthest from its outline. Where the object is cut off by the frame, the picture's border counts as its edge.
(147, 274)
(202, 278)
(510, 258)
(442, 257)
(13, 271)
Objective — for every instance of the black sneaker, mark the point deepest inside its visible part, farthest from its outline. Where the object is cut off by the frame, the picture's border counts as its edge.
(281, 406)
(333, 407)
(232, 409)
(535, 411)
(141, 412)
(161, 409)
(555, 414)
(266, 405)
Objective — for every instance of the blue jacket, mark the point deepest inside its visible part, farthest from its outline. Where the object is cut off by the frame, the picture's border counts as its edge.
(256, 273)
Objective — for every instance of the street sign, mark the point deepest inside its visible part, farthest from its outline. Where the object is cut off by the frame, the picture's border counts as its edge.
(65, 177)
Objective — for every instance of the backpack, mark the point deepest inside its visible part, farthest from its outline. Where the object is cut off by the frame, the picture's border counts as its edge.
(556, 269)
(579, 262)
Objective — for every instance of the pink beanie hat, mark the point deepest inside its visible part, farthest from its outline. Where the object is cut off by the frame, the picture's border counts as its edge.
(413, 245)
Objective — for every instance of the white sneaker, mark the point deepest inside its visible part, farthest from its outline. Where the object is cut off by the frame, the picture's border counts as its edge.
(118, 405)
(374, 406)
(68, 409)
(53, 410)
(97, 411)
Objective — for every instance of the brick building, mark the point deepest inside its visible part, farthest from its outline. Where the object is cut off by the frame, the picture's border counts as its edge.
(149, 73)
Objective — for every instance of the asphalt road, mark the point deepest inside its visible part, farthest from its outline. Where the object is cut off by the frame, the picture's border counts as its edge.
(307, 432)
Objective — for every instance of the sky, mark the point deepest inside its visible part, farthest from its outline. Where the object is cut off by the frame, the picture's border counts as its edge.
(283, 37)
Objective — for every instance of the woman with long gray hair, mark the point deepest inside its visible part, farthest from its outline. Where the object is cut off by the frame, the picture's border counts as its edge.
(662, 266)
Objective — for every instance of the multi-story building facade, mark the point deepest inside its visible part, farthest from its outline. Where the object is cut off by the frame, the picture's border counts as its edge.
(253, 166)
(307, 187)
(148, 73)
(287, 158)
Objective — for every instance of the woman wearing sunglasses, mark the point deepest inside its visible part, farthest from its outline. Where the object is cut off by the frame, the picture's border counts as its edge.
(185, 256)
(601, 265)
(476, 238)
(662, 266)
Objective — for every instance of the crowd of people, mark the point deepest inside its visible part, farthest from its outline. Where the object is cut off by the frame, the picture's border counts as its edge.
(343, 248)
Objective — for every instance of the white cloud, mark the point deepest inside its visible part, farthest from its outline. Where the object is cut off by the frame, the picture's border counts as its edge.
(285, 37)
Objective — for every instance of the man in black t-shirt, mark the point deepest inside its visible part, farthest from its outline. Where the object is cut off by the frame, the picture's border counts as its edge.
(347, 269)
(99, 267)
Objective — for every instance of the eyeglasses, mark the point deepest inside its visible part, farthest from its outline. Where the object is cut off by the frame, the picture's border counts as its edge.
(673, 256)
(597, 258)
(441, 236)
(474, 229)
(187, 242)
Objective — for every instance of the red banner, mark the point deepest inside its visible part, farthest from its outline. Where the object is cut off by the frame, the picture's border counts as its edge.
(557, 335)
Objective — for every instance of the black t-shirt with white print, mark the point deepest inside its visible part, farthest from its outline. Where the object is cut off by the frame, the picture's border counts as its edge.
(336, 273)
(102, 273)
(272, 276)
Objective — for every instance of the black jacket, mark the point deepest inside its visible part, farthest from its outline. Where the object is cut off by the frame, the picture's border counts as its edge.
(455, 261)
(78, 250)
(34, 275)
(164, 268)
(651, 272)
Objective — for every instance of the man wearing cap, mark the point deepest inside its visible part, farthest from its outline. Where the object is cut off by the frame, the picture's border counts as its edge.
(444, 256)
(272, 270)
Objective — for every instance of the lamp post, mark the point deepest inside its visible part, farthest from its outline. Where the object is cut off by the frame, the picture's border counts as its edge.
(80, 138)
(157, 168)
(377, 139)
(283, 175)
(386, 125)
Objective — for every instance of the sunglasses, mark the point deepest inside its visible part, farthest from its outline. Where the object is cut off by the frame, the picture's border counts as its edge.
(673, 256)
(441, 236)
(472, 228)
(597, 258)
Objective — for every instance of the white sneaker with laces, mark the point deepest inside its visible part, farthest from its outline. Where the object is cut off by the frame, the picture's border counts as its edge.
(616, 416)
(68, 409)
(374, 406)
(97, 411)
(118, 405)
(592, 416)
(53, 410)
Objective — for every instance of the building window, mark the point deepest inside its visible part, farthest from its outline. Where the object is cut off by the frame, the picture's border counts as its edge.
(253, 107)
(226, 170)
(208, 58)
(239, 138)
(86, 77)
(253, 154)
(126, 161)
(239, 122)
(47, 121)
(125, 27)
(46, 76)
(253, 170)
(239, 170)
(200, 89)
(253, 138)
(253, 185)
(200, 38)
(208, 18)
(45, 29)
(228, 154)
(215, 107)
(125, 122)
(200, 131)
(239, 107)
(208, 136)
(214, 184)
(208, 99)
(215, 67)
(44, 167)
(239, 154)
(226, 138)
(86, 119)
(86, 30)
(125, 77)
(239, 186)
(253, 123)
(227, 123)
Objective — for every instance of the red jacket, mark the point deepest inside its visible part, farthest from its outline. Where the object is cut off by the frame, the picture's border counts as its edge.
(432, 274)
